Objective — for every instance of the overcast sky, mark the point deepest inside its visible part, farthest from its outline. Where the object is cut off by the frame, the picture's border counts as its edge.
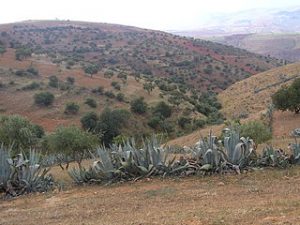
(153, 14)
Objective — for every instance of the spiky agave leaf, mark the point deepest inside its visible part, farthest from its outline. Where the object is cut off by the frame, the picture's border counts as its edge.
(273, 157)
(4, 167)
(296, 153)
(26, 175)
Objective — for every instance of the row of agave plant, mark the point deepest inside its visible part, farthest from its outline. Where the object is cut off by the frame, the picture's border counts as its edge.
(209, 155)
(21, 174)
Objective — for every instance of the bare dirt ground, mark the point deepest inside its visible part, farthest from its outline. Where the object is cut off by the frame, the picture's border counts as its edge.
(258, 197)
(284, 123)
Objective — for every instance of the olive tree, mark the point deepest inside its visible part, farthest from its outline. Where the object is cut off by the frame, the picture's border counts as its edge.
(72, 142)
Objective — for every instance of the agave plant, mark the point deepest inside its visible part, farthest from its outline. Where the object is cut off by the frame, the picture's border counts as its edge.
(127, 162)
(273, 157)
(239, 150)
(295, 147)
(4, 168)
(208, 154)
(25, 174)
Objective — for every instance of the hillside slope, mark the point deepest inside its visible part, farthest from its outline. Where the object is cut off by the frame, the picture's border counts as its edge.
(178, 70)
(18, 98)
(195, 63)
(248, 100)
(253, 95)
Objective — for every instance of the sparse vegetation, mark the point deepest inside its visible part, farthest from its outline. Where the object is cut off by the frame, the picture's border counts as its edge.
(44, 98)
(138, 106)
(17, 132)
(257, 130)
(71, 108)
(91, 102)
(23, 52)
(53, 81)
(71, 141)
(91, 69)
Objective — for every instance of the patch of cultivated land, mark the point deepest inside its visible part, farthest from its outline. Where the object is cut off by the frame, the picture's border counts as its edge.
(260, 197)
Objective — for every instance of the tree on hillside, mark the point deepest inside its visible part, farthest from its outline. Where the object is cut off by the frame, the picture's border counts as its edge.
(138, 105)
(23, 52)
(71, 141)
(148, 87)
(91, 69)
(19, 133)
(44, 98)
(163, 109)
(71, 108)
(89, 121)
(110, 123)
(288, 98)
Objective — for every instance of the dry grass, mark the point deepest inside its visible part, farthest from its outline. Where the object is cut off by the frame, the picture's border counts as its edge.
(261, 197)
(241, 98)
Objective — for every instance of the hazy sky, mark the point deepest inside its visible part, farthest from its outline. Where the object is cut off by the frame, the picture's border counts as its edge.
(154, 14)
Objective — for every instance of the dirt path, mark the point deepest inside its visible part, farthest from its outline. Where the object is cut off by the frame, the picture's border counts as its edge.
(261, 197)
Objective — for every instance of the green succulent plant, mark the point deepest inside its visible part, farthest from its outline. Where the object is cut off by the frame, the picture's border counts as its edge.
(23, 174)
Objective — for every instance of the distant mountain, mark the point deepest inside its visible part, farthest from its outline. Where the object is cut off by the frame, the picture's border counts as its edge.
(250, 21)
(280, 45)
(274, 32)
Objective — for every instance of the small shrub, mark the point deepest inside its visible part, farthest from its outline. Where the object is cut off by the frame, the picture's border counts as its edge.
(23, 52)
(53, 81)
(116, 85)
(71, 80)
(109, 94)
(257, 131)
(120, 97)
(138, 106)
(20, 73)
(99, 90)
(163, 109)
(33, 71)
(32, 86)
(44, 99)
(184, 121)
(71, 108)
(91, 102)
(199, 123)
(154, 122)
(89, 121)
